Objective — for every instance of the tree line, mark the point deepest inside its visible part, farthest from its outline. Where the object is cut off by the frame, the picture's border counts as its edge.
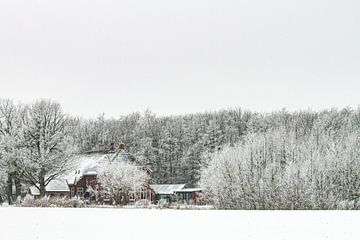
(178, 148)
(304, 163)
(175, 147)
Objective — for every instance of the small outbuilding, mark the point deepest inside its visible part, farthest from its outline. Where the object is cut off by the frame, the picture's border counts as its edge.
(55, 188)
(190, 195)
(166, 192)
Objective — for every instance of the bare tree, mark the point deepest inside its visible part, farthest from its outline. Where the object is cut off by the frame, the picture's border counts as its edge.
(46, 147)
(10, 136)
(278, 169)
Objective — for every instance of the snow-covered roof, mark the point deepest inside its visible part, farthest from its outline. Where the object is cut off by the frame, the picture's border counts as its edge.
(56, 185)
(89, 164)
(90, 173)
(166, 188)
(190, 190)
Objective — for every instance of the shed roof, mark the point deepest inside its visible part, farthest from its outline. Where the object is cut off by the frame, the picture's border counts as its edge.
(166, 188)
(56, 185)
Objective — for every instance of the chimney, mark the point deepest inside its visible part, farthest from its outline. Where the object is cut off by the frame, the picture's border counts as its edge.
(122, 146)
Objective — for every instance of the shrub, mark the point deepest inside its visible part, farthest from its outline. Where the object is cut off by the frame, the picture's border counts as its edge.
(30, 201)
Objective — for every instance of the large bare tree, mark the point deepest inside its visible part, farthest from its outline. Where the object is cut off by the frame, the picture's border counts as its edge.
(47, 146)
(10, 137)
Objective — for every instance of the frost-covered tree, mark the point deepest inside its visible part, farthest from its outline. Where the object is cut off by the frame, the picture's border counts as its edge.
(176, 148)
(10, 143)
(118, 179)
(47, 145)
(2, 185)
(282, 169)
(173, 146)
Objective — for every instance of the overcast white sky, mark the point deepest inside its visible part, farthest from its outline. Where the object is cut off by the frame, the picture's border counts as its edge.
(116, 57)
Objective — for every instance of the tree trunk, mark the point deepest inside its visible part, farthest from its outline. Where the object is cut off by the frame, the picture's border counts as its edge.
(9, 188)
(42, 183)
(17, 185)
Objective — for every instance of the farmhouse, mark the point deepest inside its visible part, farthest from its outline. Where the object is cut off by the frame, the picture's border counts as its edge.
(82, 181)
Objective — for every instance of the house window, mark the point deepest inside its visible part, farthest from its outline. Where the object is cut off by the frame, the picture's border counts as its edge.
(72, 191)
(143, 195)
(132, 196)
(80, 192)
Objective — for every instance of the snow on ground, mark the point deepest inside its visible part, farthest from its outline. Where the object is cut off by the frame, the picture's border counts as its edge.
(97, 223)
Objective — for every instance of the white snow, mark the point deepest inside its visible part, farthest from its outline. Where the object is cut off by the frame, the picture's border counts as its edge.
(166, 188)
(83, 164)
(90, 223)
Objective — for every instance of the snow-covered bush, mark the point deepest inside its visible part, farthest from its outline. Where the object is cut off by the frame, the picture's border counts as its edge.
(30, 201)
(163, 203)
(349, 205)
(194, 207)
(280, 170)
(44, 202)
(142, 204)
(75, 202)
(119, 178)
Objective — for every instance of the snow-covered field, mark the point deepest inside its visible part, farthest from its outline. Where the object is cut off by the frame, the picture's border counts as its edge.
(89, 223)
